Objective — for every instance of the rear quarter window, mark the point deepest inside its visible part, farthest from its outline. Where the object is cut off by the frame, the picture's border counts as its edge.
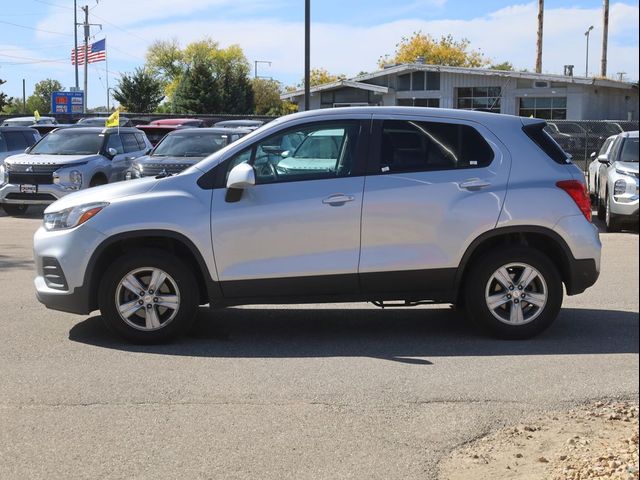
(538, 135)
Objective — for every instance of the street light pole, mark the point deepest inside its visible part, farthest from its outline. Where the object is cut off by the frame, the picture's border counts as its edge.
(307, 54)
(586, 66)
(255, 63)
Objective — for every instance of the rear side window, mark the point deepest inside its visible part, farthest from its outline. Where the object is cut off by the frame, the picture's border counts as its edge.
(547, 144)
(30, 137)
(411, 146)
(141, 143)
(115, 142)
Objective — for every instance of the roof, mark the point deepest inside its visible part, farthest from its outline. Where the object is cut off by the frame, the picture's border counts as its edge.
(16, 128)
(358, 81)
(200, 131)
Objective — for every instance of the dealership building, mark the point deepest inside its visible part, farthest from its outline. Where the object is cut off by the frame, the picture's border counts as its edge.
(552, 97)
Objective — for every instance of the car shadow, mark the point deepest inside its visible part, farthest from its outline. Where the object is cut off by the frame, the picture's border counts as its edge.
(385, 334)
(7, 262)
(602, 228)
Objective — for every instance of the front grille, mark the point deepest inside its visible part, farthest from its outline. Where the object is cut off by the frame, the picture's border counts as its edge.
(30, 178)
(33, 168)
(30, 196)
(53, 274)
(149, 170)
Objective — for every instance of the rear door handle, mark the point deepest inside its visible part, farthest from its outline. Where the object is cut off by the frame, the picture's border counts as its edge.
(339, 199)
(474, 184)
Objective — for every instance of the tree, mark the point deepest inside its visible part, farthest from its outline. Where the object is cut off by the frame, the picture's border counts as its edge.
(198, 91)
(41, 98)
(445, 51)
(267, 96)
(320, 76)
(140, 92)
(506, 66)
(228, 67)
(4, 99)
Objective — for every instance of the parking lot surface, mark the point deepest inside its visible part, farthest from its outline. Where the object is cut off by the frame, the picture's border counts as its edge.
(278, 392)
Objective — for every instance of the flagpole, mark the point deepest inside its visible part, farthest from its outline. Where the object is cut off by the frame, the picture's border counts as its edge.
(106, 60)
(86, 55)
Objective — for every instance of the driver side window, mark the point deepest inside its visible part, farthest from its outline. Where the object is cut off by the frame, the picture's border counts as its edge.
(310, 152)
(114, 141)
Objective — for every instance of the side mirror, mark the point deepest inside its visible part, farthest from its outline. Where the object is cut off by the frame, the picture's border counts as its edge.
(285, 154)
(593, 155)
(112, 152)
(241, 176)
(148, 151)
(603, 159)
(26, 150)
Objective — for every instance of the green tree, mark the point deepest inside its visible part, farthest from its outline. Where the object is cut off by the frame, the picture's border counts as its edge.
(320, 76)
(266, 94)
(228, 67)
(4, 98)
(198, 91)
(140, 92)
(41, 98)
(506, 66)
(444, 51)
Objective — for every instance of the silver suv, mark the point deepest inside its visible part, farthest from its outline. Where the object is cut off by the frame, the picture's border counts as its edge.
(67, 160)
(395, 206)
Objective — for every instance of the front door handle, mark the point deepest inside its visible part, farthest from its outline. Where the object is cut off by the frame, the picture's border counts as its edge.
(338, 200)
(474, 184)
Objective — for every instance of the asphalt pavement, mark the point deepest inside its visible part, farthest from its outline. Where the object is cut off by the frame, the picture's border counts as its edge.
(291, 392)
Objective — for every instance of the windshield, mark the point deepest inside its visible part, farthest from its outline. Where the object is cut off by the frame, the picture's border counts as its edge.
(190, 145)
(69, 142)
(629, 151)
(324, 146)
(571, 128)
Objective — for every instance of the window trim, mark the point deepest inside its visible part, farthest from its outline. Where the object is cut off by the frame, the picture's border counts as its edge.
(373, 164)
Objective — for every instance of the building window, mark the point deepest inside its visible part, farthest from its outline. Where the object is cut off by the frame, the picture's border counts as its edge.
(419, 81)
(404, 82)
(433, 81)
(486, 99)
(547, 108)
(418, 102)
(327, 98)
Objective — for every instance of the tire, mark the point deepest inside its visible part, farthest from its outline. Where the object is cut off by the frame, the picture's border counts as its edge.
(13, 209)
(611, 220)
(150, 322)
(503, 320)
(601, 207)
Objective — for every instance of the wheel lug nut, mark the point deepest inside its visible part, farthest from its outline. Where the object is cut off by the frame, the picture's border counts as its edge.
(149, 306)
(509, 297)
(140, 302)
(155, 299)
(519, 287)
(510, 287)
(516, 301)
(141, 294)
(151, 292)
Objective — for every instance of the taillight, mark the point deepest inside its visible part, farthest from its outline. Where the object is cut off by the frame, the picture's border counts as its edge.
(578, 191)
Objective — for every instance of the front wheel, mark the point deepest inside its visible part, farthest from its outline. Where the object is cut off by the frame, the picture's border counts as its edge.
(611, 219)
(148, 297)
(14, 209)
(514, 293)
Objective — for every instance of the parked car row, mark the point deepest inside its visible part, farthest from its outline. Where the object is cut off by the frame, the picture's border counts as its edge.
(69, 159)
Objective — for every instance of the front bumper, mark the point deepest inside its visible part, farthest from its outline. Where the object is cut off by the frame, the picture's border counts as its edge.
(625, 204)
(46, 195)
(72, 250)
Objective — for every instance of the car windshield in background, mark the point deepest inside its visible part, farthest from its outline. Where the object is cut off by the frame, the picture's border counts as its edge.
(190, 145)
(629, 150)
(69, 142)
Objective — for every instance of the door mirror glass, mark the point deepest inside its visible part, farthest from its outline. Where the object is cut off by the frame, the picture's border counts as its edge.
(241, 177)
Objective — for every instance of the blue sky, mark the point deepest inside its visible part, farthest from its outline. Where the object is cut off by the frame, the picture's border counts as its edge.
(348, 36)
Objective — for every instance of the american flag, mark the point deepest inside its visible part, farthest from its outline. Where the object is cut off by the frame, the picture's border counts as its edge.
(97, 53)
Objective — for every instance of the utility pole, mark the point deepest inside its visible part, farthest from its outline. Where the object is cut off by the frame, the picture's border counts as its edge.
(307, 54)
(75, 38)
(86, 55)
(255, 63)
(24, 96)
(605, 35)
(539, 40)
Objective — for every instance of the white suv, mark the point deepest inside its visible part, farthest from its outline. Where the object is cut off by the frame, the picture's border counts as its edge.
(408, 205)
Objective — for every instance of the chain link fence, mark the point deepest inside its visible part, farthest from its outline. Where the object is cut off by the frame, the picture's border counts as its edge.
(581, 138)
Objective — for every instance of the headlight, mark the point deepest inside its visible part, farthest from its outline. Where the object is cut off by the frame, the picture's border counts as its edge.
(72, 217)
(619, 187)
(627, 173)
(2, 175)
(135, 172)
(75, 177)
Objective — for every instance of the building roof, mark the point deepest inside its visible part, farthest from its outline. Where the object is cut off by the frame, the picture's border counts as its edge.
(359, 81)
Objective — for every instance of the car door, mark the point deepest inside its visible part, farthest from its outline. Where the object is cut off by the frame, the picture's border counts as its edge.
(432, 187)
(297, 231)
(118, 163)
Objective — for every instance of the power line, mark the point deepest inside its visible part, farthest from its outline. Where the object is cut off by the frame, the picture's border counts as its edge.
(36, 29)
(121, 29)
(53, 4)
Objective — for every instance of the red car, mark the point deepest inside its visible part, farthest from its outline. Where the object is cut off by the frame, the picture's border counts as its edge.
(178, 122)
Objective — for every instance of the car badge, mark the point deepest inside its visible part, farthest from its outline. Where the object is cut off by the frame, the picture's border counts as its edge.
(29, 169)
(164, 172)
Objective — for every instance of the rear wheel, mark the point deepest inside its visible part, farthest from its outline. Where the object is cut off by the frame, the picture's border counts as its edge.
(514, 293)
(14, 209)
(148, 297)
(602, 209)
(97, 181)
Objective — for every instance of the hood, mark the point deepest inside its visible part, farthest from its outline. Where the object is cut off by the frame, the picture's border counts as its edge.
(152, 160)
(29, 159)
(104, 193)
(627, 166)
